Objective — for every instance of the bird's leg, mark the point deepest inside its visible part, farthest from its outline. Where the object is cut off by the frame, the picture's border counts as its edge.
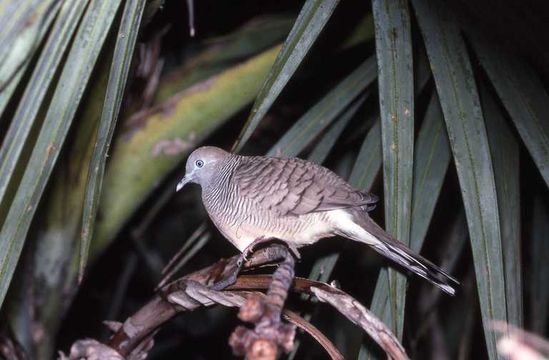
(250, 257)
(250, 249)
(276, 252)
(230, 279)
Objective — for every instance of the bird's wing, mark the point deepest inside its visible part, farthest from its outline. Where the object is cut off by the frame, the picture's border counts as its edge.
(295, 187)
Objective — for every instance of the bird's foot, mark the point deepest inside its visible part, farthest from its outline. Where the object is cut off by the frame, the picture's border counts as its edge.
(247, 253)
(294, 251)
(230, 279)
(275, 252)
(249, 250)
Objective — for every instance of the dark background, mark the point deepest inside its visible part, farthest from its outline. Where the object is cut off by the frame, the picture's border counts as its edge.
(123, 279)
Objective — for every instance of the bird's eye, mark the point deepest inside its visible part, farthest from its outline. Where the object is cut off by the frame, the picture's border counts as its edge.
(199, 163)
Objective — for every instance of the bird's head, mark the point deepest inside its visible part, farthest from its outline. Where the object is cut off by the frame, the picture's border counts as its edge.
(201, 165)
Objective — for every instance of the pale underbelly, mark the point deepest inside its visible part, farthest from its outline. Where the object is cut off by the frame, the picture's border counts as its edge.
(295, 233)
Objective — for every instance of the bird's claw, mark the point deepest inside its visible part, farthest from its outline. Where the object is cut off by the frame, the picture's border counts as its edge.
(294, 251)
(248, 251)
(243, 258)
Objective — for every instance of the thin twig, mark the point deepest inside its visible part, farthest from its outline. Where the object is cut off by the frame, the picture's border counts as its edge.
(359, 315)
(197, 240)
(306, 326)
(122, 286)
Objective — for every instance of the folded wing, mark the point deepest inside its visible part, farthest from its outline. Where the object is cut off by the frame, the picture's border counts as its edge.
(296, 187)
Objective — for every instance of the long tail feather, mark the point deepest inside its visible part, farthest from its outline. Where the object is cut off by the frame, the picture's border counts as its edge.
(404, 257)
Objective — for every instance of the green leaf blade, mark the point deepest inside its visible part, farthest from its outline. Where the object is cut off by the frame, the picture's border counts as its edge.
(368, 161)
(67, 96)
(524, 97)
(432, 157)
(325, 111)
(505, 154)
(431, 162)
(539, 276)
(381, 291)
(123, 53)
(396, 99)
(365, 169)
(23, 57)
(310, 22)
(33, 97)
(22, 30)
(465, 124)
(325, 145)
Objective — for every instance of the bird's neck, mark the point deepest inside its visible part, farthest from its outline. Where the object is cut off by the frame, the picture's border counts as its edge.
(220, 187)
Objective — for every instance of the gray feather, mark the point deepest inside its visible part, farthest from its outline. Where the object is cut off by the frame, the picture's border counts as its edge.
(295, 187)
(251, 197)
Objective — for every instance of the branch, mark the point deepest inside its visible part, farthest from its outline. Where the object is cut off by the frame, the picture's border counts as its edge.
(269, 334)
(359, 315)
(133, 337)
(315, 333)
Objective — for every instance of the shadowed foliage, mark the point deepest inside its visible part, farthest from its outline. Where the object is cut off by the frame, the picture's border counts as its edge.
(440, 109)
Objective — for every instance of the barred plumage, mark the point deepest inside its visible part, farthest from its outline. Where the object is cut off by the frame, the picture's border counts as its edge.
(252, 197)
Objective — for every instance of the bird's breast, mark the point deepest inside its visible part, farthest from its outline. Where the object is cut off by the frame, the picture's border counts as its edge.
(241, 222)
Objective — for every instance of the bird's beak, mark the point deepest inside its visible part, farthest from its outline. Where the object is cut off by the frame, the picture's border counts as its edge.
(186, 179)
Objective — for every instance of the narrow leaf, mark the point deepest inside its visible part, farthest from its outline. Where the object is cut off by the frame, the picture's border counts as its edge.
(505, 155)
(381, 299)
(72, 83)
(325, 145)
(38, 85)
(396, 102)
(524, 97)
(56, 237)
(539, 274)
(123, 53)
(39, 22)
(366, 167)
(220, 53)
(325, 111)
(368, 161)
(431, 161)
(310, 22)
(465, 125)
(430, 165)
(22, 25)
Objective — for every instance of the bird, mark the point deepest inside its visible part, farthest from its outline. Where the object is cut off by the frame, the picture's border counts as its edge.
(295, 201)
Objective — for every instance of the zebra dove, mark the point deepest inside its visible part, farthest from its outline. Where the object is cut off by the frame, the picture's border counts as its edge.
(293, 200)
